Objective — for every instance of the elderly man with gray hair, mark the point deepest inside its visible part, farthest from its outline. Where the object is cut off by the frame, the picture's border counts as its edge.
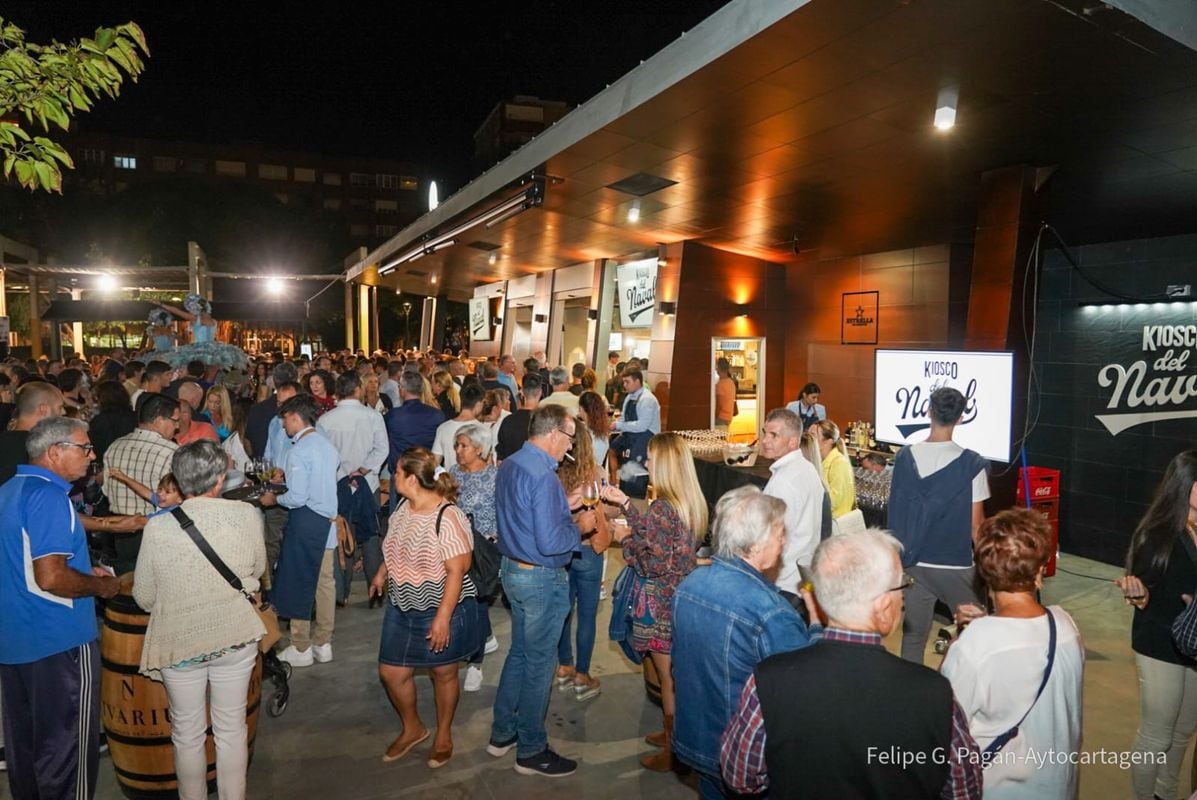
(726, 618)
(49, 654)
(561, 396)
(872, 739)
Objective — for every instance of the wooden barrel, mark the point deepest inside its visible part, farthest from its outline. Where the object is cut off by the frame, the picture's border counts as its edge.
(135, 710)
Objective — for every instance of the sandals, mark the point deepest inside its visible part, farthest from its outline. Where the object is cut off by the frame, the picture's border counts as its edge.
(565, 680)
(584, 690)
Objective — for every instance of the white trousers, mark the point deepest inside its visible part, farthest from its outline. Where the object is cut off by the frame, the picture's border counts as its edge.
(188, 690)
(1167, 717)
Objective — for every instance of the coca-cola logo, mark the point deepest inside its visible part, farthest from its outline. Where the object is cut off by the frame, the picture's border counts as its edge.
(1152, 389)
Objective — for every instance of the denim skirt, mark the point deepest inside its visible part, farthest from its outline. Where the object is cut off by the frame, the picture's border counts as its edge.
(405, 636)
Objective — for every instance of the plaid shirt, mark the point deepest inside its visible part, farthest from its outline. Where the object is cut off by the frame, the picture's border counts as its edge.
(742, 751)
(1184, 629)
(145, 457)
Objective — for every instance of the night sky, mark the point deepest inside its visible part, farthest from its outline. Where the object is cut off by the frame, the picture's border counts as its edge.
(409, 80)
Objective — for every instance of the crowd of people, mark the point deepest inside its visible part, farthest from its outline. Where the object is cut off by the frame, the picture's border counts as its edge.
(454, 481)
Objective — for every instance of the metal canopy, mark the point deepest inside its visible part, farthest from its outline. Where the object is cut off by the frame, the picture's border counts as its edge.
(139, 310)
(816, 128)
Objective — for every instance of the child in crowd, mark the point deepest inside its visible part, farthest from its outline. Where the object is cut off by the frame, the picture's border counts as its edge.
(164, 500)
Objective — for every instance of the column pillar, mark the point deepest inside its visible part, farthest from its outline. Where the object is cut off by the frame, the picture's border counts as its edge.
(375, 332)
(77, 327)
(348, 314)
(1007, 217)
(363, 318)
(35, 319)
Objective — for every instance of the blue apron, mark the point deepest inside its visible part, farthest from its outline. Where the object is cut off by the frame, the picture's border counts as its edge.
(298, 570)
(634, 447)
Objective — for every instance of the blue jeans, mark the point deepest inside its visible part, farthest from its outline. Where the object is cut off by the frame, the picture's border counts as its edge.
(370, 552)
(484, 629)
(539, 602)
(585, 576)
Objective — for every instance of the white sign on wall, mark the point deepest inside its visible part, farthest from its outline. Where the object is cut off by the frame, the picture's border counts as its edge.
(906, 379)
(1139, 395)
(637, 293)
(480, 319)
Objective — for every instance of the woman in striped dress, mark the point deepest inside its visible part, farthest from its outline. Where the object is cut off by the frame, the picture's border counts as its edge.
(431, 621)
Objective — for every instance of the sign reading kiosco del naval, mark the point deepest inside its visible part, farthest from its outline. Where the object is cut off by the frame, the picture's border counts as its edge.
(1161, 385)
(637, 293)
(906, 379)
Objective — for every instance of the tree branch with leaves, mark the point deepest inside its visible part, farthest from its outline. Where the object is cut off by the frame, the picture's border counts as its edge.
(46, 85)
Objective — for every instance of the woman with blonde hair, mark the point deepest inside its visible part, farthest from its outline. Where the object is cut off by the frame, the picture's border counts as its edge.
(431, 619)
(836, 469)
(220, 410)
(448, 399)
(809, 446)
(585, 571)
(428, 398)
(661, 546)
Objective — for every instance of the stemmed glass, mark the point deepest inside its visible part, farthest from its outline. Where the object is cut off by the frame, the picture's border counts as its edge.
(590, 493)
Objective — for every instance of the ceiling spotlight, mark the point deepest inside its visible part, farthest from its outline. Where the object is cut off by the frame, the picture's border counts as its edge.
(432, 279)
(274, 286)
(494, 258)
(106, 283)
(634, 212)
(433, 197)
(945, 108)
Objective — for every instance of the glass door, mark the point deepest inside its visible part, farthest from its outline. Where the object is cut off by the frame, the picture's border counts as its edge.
(745, 363)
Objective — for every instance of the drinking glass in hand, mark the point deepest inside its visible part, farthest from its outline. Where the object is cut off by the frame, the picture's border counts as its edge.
(590, 494)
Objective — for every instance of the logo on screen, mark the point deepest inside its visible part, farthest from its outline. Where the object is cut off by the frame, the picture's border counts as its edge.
(1167, 383)
(915, 416)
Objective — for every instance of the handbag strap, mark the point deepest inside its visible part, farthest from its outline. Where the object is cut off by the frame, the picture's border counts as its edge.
(189, 528)
(1001, 741)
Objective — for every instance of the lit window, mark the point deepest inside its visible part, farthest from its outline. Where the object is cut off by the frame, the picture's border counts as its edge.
(385, 181)
(272, 172)
(408, 183)
(332, 203)
(305, 175)
(359, 179)
(332, 178)
(121, 161)
(234, 169)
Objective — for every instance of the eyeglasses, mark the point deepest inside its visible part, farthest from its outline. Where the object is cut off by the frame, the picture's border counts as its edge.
(906, 583)
(87, 448)
(572, 436)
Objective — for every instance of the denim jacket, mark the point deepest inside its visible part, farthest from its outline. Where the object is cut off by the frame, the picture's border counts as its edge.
(726, 618)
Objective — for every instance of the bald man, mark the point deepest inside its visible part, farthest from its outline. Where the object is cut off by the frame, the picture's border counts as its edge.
(35, 402)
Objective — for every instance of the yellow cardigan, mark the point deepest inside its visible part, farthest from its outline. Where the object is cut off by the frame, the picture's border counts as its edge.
(837, 472)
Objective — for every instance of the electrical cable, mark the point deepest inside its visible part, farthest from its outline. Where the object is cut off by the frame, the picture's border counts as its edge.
(1082, 575)
(1096, 283)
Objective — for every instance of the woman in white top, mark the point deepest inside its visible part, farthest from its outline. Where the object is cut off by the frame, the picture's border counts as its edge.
(593, 409)
(236, 446)
(997, 665)
(202, 632)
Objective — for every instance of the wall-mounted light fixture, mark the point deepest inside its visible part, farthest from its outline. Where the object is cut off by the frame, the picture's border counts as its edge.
(742, 310)
(667, 308)
(540, 318)
(945, 108)
(1138, 305)
(592, 313)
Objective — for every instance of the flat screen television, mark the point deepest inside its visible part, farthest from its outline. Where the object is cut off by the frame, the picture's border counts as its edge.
(905, 380)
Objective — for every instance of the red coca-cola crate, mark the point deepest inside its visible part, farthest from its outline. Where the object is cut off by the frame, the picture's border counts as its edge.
(1048, 509)
(1050, 568)
(1045, 483)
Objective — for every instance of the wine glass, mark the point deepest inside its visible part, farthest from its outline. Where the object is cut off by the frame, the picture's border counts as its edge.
(590, 494)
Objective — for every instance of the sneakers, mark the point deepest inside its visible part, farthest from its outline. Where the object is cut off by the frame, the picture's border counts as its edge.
(473, 678)
(547, 764)
(584, 690)
(322, 653)
(297, 658)
(492, 644)
(499, 749)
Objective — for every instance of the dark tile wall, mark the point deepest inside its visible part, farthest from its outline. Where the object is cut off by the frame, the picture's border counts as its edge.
(1108, 480)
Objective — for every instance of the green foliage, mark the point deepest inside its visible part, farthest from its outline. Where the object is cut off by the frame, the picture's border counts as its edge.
(46, 85)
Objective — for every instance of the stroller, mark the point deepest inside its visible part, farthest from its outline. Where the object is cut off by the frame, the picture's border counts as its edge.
(278, 672)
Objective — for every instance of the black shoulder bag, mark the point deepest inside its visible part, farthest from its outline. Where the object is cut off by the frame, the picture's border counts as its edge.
(263, 608)
(997, 744)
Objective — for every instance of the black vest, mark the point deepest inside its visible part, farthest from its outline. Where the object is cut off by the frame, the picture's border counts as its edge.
(840, 718)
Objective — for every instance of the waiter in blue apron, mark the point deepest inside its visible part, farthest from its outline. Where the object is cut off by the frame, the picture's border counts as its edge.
(303, 579)
(639, 421)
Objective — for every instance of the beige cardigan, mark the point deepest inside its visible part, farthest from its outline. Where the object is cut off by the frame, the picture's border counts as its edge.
(193, 610)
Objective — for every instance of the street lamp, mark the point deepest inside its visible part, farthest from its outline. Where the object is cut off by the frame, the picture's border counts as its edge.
(274, 286)
(406, 326)
(106, 284)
